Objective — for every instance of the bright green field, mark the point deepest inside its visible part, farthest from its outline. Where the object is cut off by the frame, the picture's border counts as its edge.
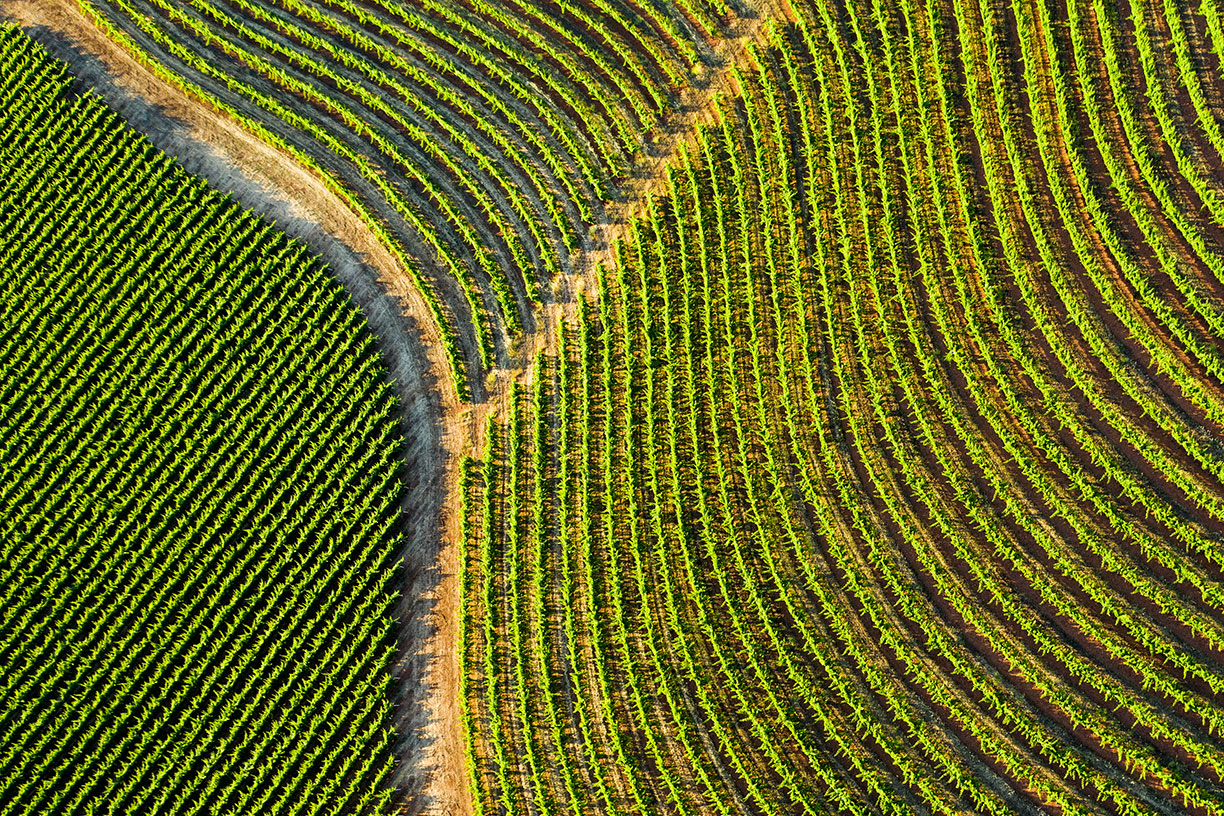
(198, 488)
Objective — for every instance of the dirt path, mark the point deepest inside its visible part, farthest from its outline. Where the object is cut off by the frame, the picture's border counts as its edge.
(431, 775)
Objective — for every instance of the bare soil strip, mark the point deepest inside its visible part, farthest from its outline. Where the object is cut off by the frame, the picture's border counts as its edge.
(431, 774)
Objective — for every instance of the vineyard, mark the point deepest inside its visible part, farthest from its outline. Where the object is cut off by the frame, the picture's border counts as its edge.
(479, 139)
(884, 473)
(854, 441)
(199, 488)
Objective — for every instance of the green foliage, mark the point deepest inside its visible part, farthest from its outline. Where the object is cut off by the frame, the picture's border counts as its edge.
(478, 139)
(199, 488)
(890, 462)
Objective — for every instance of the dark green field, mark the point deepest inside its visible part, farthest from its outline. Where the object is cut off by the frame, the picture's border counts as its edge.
(199, 488)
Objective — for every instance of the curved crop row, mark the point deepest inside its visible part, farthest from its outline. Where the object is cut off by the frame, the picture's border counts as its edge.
(891, 460)
(481, 138)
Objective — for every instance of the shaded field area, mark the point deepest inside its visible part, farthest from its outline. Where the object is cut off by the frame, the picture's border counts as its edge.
(479, 140)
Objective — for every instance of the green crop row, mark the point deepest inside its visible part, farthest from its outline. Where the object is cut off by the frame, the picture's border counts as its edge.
(199, 488)
(895, 457)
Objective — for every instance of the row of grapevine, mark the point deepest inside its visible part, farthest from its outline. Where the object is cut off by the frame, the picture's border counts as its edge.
(199, 488)
(480, 138)
(886, 475)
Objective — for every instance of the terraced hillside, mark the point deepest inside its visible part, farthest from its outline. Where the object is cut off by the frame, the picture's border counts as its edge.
(478, 139)
(884, 476)
(200, 488)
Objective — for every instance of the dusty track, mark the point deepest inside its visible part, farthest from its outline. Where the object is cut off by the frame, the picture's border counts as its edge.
(431, 774)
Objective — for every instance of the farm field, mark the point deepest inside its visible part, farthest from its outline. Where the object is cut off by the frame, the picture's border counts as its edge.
(200, 488)
(478, 139)
(847, 492)
(830, 392)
